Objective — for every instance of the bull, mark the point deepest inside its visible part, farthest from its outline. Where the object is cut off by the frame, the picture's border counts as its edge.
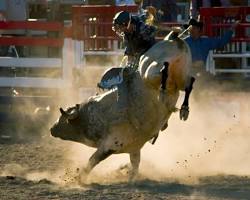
(152, 93)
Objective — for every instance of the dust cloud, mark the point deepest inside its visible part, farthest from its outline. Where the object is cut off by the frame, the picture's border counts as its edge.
(213, 141)
(31, 131)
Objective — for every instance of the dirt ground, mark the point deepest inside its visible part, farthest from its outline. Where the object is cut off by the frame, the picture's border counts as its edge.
(39, 170)
(29, 170)
(212, 146)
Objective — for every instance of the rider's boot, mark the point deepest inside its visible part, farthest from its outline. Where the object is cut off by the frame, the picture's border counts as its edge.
(122, 102)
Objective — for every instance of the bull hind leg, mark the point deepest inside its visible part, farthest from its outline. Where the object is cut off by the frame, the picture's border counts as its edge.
(164, 77)
(135, 158)
(184, 112)
(97, 157)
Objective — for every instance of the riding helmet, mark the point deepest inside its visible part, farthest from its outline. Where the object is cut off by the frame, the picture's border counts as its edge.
(121, 18)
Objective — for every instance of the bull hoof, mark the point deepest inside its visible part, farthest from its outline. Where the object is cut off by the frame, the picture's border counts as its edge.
(82, 177)
(133, 175)
(128, 172)
(184, 112)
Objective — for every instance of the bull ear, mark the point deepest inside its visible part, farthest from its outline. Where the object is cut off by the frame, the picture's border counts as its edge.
(63, 112)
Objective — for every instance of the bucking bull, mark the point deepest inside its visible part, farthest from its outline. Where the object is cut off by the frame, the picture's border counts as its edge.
(152, 93)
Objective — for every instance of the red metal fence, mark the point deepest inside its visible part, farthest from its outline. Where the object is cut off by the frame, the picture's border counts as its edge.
(56, 59)
(216, 22)
(36, 77)
(29, 40)
(93, 25)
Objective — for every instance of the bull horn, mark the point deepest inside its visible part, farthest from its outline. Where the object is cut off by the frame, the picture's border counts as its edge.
(63, 112)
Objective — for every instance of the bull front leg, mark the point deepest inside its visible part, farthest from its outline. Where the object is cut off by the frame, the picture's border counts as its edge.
(135, 158)
(184, 112)
(97, 157)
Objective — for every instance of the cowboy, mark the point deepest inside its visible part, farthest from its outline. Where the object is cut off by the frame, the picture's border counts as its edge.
(138, 37)
(201, 45)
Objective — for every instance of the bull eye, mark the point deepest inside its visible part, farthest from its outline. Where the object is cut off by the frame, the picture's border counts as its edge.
(69, 121)
(72, 121)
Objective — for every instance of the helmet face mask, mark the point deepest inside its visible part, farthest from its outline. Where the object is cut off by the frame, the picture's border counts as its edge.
(119, 29)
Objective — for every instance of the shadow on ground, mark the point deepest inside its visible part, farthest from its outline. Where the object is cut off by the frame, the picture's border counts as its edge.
(216, 187)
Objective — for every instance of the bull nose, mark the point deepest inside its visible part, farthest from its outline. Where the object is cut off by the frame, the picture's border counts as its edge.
(52, 131)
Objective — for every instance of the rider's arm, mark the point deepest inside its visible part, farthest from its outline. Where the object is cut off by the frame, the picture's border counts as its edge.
(128, 51)
(147, 32)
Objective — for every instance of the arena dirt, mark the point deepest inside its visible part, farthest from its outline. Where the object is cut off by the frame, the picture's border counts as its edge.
(206, 157)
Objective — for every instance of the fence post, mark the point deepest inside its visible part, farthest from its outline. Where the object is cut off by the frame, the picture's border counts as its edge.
(79, 56)
(67, 65)
(208, 62)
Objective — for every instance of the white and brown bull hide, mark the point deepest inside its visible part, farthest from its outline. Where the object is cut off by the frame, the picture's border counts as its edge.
(100, 123)
(177, 54)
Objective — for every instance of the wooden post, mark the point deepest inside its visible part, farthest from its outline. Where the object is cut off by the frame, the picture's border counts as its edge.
(68, 64)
